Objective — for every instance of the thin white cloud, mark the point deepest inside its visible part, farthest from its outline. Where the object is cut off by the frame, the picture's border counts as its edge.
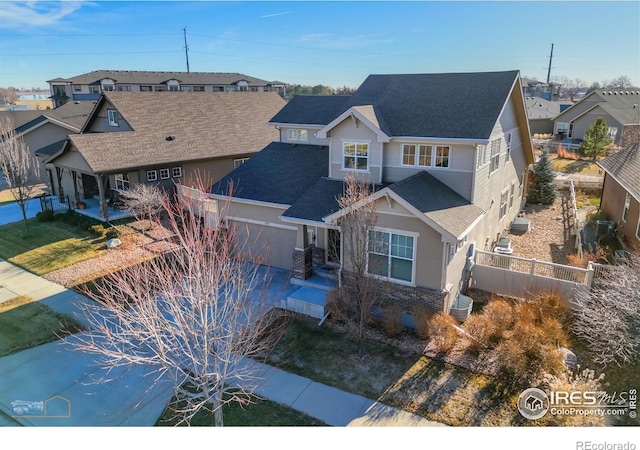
(35, 13)
(333, 42)
(275, 14)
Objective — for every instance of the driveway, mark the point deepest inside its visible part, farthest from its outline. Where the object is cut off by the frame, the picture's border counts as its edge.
(11, 212)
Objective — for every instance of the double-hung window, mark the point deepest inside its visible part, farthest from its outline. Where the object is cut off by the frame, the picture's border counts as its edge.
(416, 155)
(112, 115)
(442, 156)
(512, 194)
(504, 197)
(495, 155)
(627, 204)
(356, 156)
(482, 155)
(390, 255)
(507, 138)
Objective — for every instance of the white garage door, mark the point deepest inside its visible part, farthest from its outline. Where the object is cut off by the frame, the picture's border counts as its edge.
(272, 246)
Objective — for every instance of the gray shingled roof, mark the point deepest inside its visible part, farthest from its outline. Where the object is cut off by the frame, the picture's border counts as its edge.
(619, 105)
(624, 167)
(280, 173)
(51, 149)
(72, 113)
(311, 109)
(438, 202)
(455, 105)
(20, 118)
(539, 108)
(154, 77)
(203, 125)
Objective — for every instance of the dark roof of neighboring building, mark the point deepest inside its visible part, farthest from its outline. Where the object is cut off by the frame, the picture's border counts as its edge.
(438, 202)
(172, 127)
(72, 113)
(539, 108)
(280, 173)
(157, 77)
(51, 149)
(311, 109)
(20, 118)
(624, 167)
(455, 105)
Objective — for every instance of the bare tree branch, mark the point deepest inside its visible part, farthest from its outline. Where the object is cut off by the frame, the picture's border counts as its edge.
(20, 169)
(192, 315)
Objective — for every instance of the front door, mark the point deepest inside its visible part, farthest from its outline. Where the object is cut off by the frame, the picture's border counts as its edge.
(333, 246)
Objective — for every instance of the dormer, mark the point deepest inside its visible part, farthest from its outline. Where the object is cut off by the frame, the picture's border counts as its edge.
(107, 84)
(172, 85)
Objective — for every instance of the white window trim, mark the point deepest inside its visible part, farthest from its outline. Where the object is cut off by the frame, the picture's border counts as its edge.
(178, 170)
(356, 143)
(495, 156)
(152, 175)
(391, 231)
(507, 138)
(506, 204)
(165, 171)
(121, 182)
(112, 117)
(434, 157)
(295, 134)
(482, 155)
(512, 194)
(238, 162)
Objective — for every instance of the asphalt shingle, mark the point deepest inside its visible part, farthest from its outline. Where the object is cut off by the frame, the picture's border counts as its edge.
(624, 167)
(311, 109)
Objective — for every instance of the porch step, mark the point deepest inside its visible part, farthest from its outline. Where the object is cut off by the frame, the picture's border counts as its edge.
(308, 301)
(316, 281)
(326, 272)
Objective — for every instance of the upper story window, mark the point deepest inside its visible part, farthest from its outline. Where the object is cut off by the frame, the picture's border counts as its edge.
(425, 155)
(355, 155)
(146, 88)
(238, 162)
(512, 194)
(164, 174)
(507, 138)
(112, 115)
(174, 88)
(297, 135)
(495, 155)
(123, 88)
(198, 89)
(627, 204)
(160, 88)
(77, 88)
(59, 90)
(152, 175)
(230, 89)
(176, 172)
(94, 89)
(390, 255)
(185, 88)
(108, 87)
(482, 155)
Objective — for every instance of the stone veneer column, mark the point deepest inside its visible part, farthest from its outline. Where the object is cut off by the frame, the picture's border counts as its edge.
(302, 263)
(318, 256)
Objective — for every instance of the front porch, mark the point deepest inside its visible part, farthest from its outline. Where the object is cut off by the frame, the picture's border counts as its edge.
(92, 209)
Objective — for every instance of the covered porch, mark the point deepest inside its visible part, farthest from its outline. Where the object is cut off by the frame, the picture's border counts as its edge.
(93, 209)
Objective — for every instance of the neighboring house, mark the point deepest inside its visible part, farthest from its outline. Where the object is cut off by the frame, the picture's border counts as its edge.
(90, 85)
(621, 192)
(42, 129)
(161, 138)
(540, 89)
(541, 113)
(620, 109)
(448, 155)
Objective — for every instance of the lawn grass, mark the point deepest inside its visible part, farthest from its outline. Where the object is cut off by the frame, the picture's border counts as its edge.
(427, 387)
(576, 166)
(261, 413)
(25, 324)
(48, 246)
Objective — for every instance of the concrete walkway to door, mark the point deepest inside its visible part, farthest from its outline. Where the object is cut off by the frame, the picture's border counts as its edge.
(67, 381)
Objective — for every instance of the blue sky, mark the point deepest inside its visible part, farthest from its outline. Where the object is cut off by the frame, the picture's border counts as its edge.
(332, 43)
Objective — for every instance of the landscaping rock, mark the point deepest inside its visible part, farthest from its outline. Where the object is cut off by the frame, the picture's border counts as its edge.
(113, 243)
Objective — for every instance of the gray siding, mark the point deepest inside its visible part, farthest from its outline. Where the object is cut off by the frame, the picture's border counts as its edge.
(100, 123)
(581, 124)
(347, 132)
(41, 137)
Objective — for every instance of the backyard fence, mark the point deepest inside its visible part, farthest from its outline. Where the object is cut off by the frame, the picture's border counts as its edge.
(520, 277)
(576, 220)
(55, 204)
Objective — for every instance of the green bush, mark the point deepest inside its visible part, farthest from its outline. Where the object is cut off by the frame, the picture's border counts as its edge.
(45, 216)
(112, 233)
(96, 230)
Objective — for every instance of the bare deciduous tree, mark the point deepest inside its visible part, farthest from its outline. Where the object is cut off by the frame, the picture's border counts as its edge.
(8, 96)
(20, 169)
(143, 200)
(359, 291)
(192, 315)
(608, 316)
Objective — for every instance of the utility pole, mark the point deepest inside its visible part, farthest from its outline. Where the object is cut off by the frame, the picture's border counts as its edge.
(186, 47)
(549, 70)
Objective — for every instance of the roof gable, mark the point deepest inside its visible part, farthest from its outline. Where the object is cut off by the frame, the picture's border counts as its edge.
(365, 114)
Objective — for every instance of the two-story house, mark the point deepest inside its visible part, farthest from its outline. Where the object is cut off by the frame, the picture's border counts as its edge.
(89, 86)
(161, 138)
(447, 154)
(619, 109)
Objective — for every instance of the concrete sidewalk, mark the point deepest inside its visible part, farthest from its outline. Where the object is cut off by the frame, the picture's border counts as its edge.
(68, 380)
